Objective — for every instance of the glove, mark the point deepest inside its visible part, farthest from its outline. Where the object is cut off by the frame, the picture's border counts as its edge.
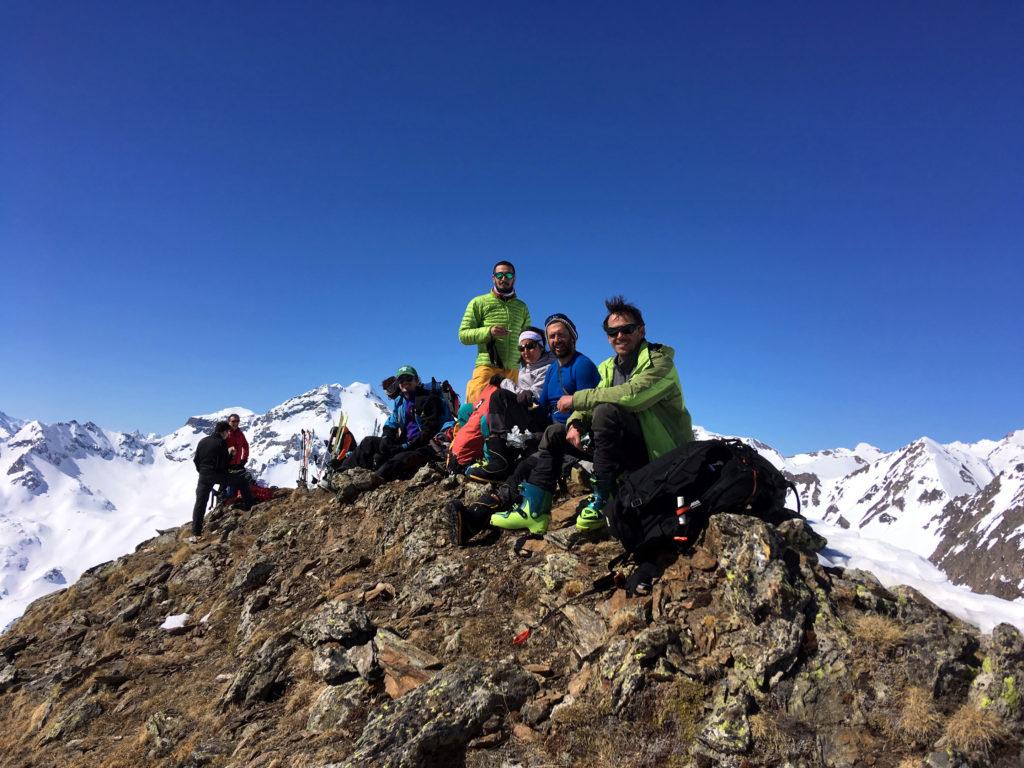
(525, 397)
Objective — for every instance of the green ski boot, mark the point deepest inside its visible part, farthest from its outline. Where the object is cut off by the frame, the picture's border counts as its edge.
(532, 512)
(591, 516)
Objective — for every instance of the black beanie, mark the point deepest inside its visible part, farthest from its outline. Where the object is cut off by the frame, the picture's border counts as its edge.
(558, 317)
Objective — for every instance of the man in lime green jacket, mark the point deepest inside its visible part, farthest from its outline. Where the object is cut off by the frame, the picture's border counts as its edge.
(493, 322)
(635, 414)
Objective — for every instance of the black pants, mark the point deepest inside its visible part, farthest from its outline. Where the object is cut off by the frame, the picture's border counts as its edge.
(203, 488)
(403, 465)
(618, 446)
(238, 481)
(506, 412)
(372, 453)
(368, 454)
(547, 461)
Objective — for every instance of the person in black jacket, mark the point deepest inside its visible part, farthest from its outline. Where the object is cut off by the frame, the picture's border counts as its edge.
(211, 460)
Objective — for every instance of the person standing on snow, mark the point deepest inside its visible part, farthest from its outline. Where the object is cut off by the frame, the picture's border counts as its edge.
(493, 323)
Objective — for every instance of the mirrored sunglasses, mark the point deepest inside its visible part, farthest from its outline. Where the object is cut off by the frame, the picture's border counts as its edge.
(528, 345)
(505, 275)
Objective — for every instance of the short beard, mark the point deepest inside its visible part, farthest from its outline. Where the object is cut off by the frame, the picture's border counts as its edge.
(565, 356)
(511, 291)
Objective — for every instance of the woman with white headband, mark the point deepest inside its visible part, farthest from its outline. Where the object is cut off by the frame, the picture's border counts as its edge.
(512, 405)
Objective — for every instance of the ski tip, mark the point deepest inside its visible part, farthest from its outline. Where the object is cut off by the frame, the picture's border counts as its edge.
(522, 637)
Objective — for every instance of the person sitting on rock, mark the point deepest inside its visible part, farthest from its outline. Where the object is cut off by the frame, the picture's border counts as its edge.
(514, 404)
(635, 413)
(211, 460)
(569, 371)
(419, 413)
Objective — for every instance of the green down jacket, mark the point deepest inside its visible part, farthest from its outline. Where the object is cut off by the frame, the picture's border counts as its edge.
(652, 392)
(486, 311)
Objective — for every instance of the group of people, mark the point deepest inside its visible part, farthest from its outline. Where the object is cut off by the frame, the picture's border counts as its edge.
(220, 460)
(555, 402)
(533, 403)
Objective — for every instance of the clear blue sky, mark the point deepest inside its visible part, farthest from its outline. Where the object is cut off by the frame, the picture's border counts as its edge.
(820, 206)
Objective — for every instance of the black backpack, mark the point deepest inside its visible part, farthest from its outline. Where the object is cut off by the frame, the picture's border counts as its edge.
(711, 476)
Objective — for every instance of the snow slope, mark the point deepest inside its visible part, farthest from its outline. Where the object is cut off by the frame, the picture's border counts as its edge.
(74, 495)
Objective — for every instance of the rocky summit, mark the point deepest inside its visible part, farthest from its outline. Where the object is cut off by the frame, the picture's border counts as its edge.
(342, 628)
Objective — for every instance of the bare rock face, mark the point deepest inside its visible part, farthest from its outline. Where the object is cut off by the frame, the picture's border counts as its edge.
(434, 723)
(343, 629)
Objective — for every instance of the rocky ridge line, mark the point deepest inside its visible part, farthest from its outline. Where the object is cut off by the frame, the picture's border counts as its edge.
(320, 632)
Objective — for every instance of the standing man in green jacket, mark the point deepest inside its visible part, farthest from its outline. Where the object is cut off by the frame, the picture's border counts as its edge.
(493, 323)
(636, 413)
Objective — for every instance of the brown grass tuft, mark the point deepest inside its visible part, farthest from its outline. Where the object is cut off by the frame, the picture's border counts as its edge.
(181, 554)
(911, 762)
(918, 722)
(768, 737)
(973, 730)
(573, 588)
(878, 632)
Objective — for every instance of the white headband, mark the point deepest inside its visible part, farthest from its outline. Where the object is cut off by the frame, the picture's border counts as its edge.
(531, 336)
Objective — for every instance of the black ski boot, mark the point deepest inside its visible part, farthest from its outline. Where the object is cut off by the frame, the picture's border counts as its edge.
(499, 465)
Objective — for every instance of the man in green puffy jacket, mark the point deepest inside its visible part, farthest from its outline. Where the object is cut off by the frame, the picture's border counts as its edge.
(493, 323)
(635, 414)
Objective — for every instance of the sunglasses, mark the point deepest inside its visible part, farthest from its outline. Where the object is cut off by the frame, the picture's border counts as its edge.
(626, 330)
(405, 379)
(505, 275)
(528, 345)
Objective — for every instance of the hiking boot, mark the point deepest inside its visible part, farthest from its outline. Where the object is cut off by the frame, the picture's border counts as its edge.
(532, 512)
(591, 516)
(499, 462)
(466, 522)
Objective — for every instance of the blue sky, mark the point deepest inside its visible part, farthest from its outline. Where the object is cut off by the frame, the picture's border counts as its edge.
(820, 208)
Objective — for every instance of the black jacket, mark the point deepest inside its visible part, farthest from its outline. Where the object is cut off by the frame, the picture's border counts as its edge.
(211, 457)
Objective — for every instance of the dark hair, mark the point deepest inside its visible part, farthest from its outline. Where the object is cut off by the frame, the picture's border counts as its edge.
(506, 263)
(234, 416)
(617, 305)
(221, 426)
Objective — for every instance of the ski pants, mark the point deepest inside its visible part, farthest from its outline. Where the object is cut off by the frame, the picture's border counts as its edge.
(618, 446)
(506, 412)
(403, 465)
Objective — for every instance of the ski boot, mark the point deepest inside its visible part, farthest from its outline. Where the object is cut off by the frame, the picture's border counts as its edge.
(591, 516)
(499, 462)
(532, 512)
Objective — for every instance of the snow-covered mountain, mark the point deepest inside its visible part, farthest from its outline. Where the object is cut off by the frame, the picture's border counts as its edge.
(73, 495)
(959, 505)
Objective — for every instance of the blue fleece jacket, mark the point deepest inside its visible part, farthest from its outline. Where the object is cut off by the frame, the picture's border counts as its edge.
(580, 373)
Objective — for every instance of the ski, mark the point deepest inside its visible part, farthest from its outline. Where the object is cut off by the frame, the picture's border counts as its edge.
(307, 444)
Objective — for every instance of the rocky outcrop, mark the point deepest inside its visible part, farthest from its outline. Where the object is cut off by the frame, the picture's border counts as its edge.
(343, 629)
(983, 537)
